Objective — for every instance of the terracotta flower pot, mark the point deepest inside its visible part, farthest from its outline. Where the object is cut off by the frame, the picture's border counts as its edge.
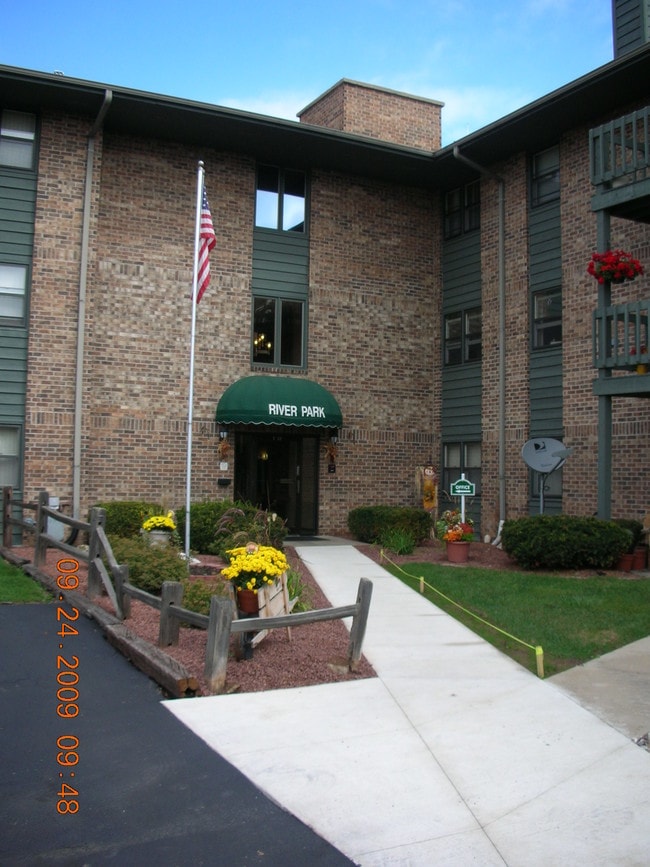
(640, 558)
(458, 552)
(625, 563)
(247, 602)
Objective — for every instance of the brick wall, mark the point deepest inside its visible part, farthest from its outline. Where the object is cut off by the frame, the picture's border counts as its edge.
(371, 111)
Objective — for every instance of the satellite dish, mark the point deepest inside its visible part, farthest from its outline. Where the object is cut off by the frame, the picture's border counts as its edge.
(544, 455)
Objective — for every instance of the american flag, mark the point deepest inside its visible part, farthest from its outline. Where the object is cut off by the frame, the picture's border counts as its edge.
(207, 241)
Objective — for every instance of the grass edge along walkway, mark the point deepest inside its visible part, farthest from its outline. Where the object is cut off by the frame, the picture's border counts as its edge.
(575, 617)
(539, 651)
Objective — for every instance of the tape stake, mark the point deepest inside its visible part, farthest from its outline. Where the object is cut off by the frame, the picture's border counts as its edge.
(539, 654)
(421, 584)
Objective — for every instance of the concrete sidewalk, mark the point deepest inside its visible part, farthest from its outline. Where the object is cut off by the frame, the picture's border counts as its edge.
(453, 755)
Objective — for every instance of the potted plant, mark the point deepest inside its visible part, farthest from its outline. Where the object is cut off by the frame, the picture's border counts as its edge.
(252, 567)
(614, 266)
(456, 534)
(159, 528)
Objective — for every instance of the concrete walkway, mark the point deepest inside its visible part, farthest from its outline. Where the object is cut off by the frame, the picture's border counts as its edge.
(454, 755)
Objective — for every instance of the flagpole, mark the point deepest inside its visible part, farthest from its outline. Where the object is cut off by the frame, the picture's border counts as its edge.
(190, 411)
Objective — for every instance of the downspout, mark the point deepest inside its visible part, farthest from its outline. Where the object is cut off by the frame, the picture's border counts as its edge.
(502, 332)
(81, 307)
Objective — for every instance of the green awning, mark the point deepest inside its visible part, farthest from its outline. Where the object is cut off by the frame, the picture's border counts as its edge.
(281, 400)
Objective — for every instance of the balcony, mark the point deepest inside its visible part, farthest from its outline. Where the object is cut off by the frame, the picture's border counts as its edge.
(621, 343)
(619, 153)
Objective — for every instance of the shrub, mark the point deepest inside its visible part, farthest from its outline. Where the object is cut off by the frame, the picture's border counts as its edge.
(246, 523)
(370, 523)
(398, 541)
(564, 542)
(198, 592)
(148, 565)
(635, 528)
(125, 517)
(204, 519)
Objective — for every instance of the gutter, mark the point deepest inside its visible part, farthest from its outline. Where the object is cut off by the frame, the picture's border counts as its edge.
(81, 306)
(502, 331)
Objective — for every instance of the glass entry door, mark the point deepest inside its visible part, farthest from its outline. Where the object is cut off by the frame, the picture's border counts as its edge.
(279, 473)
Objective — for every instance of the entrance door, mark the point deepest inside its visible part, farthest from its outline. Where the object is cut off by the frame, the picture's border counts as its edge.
(279, 473)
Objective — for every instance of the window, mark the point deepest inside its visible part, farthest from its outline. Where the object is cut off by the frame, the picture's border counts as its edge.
(278, 332)
(545, 176)
(463, 337)
(459, 458)
(13, 284)
(17, 134)
(547, 318)
(463, 210)
(9, 456)
(280, 200)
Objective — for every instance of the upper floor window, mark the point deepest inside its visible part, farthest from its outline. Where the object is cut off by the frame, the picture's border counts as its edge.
(13, 286)
(547, 318)
(463, 336)
(17, 136)
(280, 199)
(463, 210)
(278, 331)
(545, 176)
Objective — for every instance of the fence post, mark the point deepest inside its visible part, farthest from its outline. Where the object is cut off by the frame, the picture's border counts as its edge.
(40, 544)
(7, 496)
(172, 594)
(216, 656)
(359, 621)
(121, 577)
(97, 519)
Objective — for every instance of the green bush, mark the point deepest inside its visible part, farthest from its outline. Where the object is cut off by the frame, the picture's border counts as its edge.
(635, 528)
(370, 523)
(148, 565)
(198, 592)
(564, 542)
(246, 523)
(204, 519)
(125, 517)
(398, 541)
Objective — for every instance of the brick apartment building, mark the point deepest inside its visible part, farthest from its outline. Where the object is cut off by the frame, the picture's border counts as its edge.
(431, 303)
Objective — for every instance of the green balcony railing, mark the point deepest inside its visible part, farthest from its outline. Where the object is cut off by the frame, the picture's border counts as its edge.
(620, 150)
(621, 336)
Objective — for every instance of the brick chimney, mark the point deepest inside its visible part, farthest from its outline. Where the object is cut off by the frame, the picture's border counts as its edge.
(364, 109)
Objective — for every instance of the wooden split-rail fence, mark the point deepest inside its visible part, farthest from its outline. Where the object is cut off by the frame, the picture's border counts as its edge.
(221, 623)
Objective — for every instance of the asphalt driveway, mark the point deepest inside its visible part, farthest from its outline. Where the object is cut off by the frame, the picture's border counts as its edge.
(145, 789)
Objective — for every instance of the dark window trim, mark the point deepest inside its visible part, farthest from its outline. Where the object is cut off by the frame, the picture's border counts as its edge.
(538, 199)
(463, 345)
(464, 217)
(543, 326)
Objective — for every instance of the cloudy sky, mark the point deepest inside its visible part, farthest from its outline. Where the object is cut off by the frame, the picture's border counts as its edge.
(482, 58)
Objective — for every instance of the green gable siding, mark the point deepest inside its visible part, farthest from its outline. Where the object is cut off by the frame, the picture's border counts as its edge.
(545, 232)
(461, 400)
(631, 23)
(461, 270)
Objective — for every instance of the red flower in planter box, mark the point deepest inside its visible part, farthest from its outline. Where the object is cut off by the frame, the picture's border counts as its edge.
(614, 266)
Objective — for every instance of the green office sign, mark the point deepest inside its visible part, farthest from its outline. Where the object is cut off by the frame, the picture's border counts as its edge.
(462, 488)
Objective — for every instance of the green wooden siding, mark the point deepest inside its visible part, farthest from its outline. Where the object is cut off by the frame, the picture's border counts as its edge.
(461, 403)
(17, 213)
(631, 25)
(544, 247)
(461, 383)
(280, 264)
(17, 209)
(545, 365)
(546, 393)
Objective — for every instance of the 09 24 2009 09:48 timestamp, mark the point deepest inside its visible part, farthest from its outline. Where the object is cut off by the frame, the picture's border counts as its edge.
(67, 692)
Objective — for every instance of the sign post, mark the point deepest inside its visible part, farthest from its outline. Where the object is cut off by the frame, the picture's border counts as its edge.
(462, 488)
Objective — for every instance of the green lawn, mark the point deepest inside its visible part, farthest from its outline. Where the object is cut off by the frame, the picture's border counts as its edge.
(15, 586)
(572, 619)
